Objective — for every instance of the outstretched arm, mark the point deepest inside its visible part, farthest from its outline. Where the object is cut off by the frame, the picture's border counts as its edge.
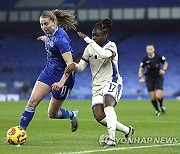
(42, 38)
(98, 49)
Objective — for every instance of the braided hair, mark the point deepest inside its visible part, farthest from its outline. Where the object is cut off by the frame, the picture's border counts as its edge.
(63, 18)
(104, 25)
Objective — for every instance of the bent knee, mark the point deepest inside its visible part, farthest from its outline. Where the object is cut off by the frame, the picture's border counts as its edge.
(33, 102)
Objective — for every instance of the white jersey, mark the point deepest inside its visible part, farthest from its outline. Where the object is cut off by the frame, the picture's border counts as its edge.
(103, 69)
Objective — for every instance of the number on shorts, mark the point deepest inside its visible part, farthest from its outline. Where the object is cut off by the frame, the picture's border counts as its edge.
(63, 91)
(112, 87)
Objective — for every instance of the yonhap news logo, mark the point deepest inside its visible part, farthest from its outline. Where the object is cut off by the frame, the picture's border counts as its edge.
(141, 140)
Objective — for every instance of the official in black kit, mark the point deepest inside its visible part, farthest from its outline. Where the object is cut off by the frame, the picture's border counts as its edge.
(156, 67)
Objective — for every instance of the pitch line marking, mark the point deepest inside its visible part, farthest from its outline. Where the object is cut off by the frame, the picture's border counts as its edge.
(120, 148)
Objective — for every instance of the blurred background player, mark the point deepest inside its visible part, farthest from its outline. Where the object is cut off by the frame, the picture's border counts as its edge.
(59, 54)
(101, 54)
(154, 76)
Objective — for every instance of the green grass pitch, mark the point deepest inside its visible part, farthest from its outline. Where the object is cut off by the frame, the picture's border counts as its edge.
(47, 136)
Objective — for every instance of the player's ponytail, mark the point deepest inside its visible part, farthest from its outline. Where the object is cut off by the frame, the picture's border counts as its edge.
(65, 19)
(107, 22)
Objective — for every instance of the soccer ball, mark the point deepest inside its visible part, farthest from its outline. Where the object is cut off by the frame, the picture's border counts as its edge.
(16, 135)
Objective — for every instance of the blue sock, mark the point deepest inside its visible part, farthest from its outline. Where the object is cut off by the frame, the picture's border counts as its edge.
(64, 114)
(26, 117)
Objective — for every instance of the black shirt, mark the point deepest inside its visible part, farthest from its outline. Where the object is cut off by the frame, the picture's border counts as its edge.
(153, 65)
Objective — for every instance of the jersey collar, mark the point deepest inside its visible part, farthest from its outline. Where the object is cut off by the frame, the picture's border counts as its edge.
(53, 32)
(105, 42)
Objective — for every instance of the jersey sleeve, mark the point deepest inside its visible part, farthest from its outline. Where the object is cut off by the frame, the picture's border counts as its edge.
(63, 45)
(162, 59)
(81, 65)
(98, 49)
(111, 47)
(84, 61)
(85, 55)
(142, 64)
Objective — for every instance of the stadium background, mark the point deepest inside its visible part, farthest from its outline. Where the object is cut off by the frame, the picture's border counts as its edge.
(135, 23)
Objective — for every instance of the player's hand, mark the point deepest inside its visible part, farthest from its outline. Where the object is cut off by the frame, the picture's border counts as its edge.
(42, 38)
(82, 35)
(70, 68)
(57, 86)
(161, 72)
(141, 80)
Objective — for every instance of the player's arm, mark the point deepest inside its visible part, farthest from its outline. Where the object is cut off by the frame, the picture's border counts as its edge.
(42, 38)
(79, 67)
(165, 66)
(99, 50)
(141, 78)
(67, 56)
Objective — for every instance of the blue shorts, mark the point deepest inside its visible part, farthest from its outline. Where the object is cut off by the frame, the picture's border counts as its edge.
(50, 78)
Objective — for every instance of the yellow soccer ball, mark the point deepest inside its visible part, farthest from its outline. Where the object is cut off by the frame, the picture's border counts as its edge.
(16, 135)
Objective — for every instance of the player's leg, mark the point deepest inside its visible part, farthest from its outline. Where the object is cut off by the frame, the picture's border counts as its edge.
(99, 115)
(159, 96)
(154, 102)
(150, 87)
(111, 119)
(111, 93)
(55, 110)
(39, 91)
(159, 92)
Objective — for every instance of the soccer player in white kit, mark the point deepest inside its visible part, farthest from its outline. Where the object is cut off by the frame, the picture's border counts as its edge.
(102, 56)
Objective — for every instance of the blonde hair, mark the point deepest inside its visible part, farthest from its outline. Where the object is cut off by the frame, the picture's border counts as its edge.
(63, 18)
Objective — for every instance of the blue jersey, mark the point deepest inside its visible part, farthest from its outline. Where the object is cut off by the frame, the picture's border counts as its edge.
(55, 45)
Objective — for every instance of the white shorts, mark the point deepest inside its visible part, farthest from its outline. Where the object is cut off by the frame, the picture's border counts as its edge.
(111, 89)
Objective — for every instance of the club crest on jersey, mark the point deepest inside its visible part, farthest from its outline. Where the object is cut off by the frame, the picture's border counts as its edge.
(47, 41)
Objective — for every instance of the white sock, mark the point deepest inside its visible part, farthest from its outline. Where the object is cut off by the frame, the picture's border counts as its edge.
(111, 119)
(119, 126)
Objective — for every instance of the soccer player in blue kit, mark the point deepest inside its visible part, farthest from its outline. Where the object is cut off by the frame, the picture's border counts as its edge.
(59, 55)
